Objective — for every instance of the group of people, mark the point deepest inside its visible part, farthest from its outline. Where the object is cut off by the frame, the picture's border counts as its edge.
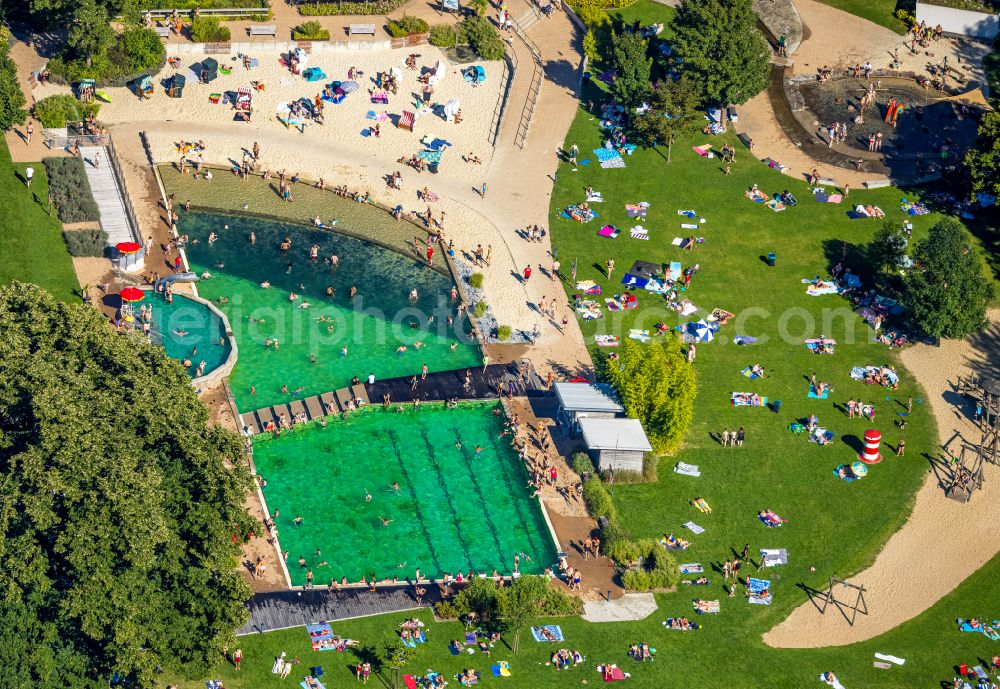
(734, 438)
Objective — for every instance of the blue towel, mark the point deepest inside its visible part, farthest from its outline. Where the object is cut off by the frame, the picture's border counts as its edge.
(605, 154)
(554, 630)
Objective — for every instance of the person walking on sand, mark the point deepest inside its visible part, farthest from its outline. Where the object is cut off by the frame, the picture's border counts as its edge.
(482, 191)
(527, 272)
(29, 131)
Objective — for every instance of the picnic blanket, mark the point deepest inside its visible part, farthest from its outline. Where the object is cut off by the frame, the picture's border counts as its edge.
(639, 232)
(702, 150)
(820, 435)
(759, 585)
(501, 669)
(686, 307)
(691, 568)
(861, 372)
(669, 624)
(707, 607)
(913, 207)
(432, 157)
(609, 158)
(637, 210)
(578, 214)
(814, 291)
(609, 231)
(695, 529)
(315, 683)
(762, 598)
(813, 345)
(747, 373)
(588, 287)
(769, 522)
(775, 205)
(589, 310)
(607, 340)
(551, 632)
(687, 469)
(773, 557)
(641, 335)
(614, 674)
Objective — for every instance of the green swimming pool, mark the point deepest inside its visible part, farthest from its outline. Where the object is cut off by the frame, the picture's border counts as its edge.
(454, 511)
(310, 353)
(189, 331)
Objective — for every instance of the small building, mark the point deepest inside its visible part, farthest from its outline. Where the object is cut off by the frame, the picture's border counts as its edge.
(586, 400)
(615, 444)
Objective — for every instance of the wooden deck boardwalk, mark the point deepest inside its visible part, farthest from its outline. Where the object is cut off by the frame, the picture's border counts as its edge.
(108, 196)
(477, 383)
(287, 609)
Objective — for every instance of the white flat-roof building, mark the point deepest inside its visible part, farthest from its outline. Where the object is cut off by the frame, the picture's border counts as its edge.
(586, 400)
(615, 443)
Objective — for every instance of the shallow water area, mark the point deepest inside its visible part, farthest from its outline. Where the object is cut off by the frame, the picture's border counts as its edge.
(188, 330)
(456, 509)
(299, 343)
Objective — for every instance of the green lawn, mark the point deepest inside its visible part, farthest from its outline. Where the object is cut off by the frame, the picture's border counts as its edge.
(723, 654)
(881, 12)
(31, 244)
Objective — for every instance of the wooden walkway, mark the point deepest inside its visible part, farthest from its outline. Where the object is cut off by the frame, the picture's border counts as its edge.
(287, 609)
(461, 384)
(106, 193)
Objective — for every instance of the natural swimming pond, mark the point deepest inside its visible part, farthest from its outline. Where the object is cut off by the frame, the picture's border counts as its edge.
(188, 330)
(312, 330)
(455, 509)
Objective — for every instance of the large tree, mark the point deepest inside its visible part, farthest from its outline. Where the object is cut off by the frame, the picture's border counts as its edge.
(674, 111)
(657, 386)
(946, 292)
(721, 45)
(90, 32)
(11, 96)
(632, 68)
(119, 517)
(983, 161)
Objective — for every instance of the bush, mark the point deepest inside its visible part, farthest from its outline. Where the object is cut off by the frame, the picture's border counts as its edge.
(578, 5)
(447, 610)
(581, 463)
(558, 603)
(483, 38)
(443, 36)
(503, 333)
(479, 309)
(624, 552)
(636, 580)
(598, 500)
(658, 570)
(486, 598)
(311, 30)
(407, 25)
(476, 280)
(326, 9)
(70, 190)
(86, 242)
(209, 30)
(138, 50)
(55, 111)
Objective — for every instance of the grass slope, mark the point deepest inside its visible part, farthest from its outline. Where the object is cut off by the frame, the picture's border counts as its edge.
(31, 244)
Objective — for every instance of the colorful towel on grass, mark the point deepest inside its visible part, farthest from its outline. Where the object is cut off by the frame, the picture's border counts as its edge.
(747, 399)
(772, 557)
(674, 273)
(747, 373)
(604, 154)
(547, 632)
(707, 607)
(501, 669)
(316, 684)
(687, 469)
(640, 335)
(588, 287)
(913, 207)
(691, 568)
(744, 340)
(812, 393)
(607, 340)
(669, 624)
(321, 635)
(609, 231)
(639, 232)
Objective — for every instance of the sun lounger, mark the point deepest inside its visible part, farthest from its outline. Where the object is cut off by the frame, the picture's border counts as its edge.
(695, 529)
(687, 469)
(691, 568)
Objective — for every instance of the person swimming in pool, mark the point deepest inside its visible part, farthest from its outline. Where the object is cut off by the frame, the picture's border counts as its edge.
(479, 452)
(413, 294)
(180, 333)
(401, 349)
(395, 486)
(368, 496)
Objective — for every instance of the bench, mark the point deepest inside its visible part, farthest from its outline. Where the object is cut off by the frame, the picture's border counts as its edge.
(263, 31)
(877, 183)
(162, 31)
(361, 29)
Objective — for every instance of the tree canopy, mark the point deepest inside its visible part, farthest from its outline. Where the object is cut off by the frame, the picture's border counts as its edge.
(886, 252)
(983, 161)
(657, 386)
(11, 97)
(119, 517)
(722, 47)
(674, 111)
(632, 68)
(946, 293)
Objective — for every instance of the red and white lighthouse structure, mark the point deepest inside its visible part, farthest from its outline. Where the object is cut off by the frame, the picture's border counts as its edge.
(870, 453)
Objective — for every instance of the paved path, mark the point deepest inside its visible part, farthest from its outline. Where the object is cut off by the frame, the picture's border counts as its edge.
(628, 608)
(104, 187)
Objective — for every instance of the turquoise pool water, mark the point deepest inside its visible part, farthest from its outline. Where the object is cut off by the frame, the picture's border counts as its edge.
(311, 341)
(188, 330)
(454, 511)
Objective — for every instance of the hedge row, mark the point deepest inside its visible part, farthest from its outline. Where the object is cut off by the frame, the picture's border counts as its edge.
(70, 190)
(55, 112)
(89, 243)
(325, 9)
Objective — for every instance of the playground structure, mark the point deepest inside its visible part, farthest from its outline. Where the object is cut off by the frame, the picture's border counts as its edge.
(970, 464)
(859, 605)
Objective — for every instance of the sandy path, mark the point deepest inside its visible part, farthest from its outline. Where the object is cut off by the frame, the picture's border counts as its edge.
(944, 541)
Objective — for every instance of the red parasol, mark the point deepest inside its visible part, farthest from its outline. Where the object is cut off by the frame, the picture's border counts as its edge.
(132, 294)
(128, 247)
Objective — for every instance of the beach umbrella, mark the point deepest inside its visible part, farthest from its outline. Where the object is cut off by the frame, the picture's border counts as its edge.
(128, 247)
(131, 294)
(702, 331)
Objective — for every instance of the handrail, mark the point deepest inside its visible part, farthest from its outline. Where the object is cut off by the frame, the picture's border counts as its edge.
(534, 88)
(238, 12)
(116, 168)
(494, 131)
